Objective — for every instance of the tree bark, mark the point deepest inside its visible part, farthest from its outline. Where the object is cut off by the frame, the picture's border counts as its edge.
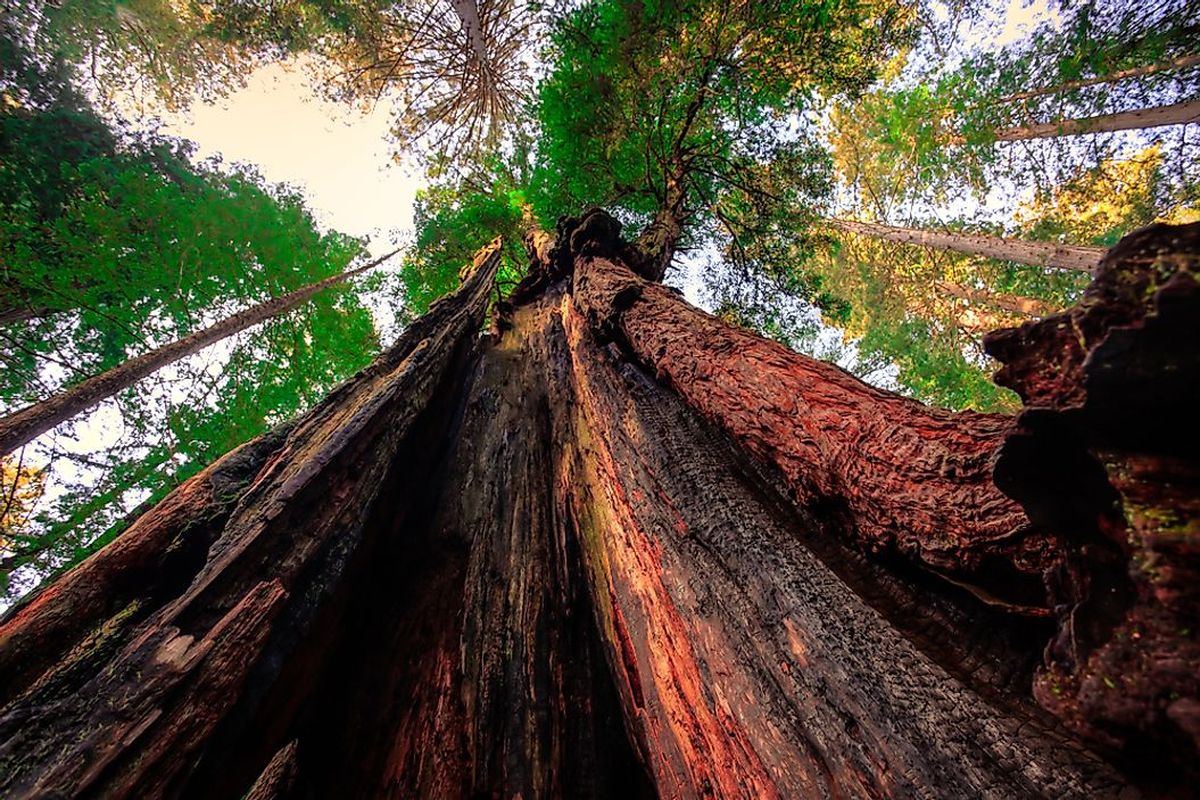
(21, 427)
(468, 15)
(192, 636)
(657, 244)
(1039, 254)
(1137, 119)
(612, 548)
(1181, 62)
(1014, 304)
(908, 477)
(750, 658)
(1106, 456)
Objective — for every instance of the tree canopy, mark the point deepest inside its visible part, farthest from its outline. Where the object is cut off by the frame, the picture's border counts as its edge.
(726, 136)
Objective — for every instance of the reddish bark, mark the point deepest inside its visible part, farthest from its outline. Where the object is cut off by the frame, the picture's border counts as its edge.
(1106, 456)
(569, 559)
(158, 554)
(910, 478)
(748, 663)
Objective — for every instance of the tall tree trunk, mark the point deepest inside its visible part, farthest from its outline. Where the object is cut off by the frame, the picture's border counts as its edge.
(1176, 114)
(542, 563)
(172, 638)
(1014, 304)
(1039, 254)
(21, 427)
(11, 314)
(1170, 65)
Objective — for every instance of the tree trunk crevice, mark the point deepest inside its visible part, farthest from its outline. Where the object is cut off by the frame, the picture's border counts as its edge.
(616, 547)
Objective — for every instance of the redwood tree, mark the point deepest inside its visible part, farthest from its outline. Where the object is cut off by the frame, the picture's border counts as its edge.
(615, 546)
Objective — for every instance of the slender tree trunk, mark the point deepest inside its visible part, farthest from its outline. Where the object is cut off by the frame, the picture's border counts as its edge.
(1039, 254)
(657, 243)
(21, 314)
(1176, 114)
(21, 427)
(568, 559)
(1180, 62)
(1014, 304)
(468, 15)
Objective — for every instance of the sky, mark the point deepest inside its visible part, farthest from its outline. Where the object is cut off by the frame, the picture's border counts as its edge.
(340, 158)
(338, 155)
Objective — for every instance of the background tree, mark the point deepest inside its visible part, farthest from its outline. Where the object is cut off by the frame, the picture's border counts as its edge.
(21, 427)
(115, 243)
(915, 315)
(949, 125)
(457, 72)
(692, 114)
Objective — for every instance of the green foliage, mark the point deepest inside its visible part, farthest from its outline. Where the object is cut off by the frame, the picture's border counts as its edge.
(938, 129)
(271, 373)
(654, 103)
(932, 366)
(455, 218)
(451, 227)
(1099, 38)
(703, 111)
(921, 314)
(714, 114)
(184, 418)
(111, 245)
(134, 243)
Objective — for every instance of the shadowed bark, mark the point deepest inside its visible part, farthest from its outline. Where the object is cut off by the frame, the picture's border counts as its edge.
(1106, 456)
(613, 548)
(136, 698)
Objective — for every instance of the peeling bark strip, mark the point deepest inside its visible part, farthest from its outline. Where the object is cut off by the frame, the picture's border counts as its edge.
(1038, 254)
(1106, 455)
(132, 718)
(747, 667)
(909, 477)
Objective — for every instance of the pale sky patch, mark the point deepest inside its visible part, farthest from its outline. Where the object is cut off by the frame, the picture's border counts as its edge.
(338, 155)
